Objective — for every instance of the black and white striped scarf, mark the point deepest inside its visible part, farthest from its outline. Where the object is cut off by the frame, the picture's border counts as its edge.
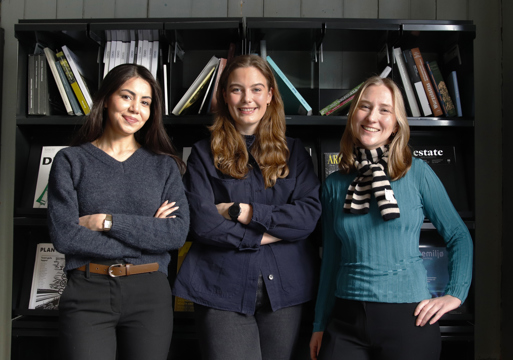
(372, 178)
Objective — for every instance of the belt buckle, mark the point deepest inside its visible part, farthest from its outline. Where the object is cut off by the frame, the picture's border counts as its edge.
(110, 270)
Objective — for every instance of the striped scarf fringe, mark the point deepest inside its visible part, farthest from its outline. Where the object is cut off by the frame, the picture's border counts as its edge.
(371, 179)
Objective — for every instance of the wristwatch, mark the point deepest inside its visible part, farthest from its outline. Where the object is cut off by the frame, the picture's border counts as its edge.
(234, 211)
(107, 223)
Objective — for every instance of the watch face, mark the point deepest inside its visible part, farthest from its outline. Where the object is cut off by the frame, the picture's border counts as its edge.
(234, 211)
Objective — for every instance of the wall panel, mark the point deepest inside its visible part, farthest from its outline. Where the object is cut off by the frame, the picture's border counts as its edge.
(131, 9)
(322, 8)
(70, 9)
(41, 9)
(452, 9)
(361, 9)
(283, 8)
(394, 9)
(238, 8)
(99, 9)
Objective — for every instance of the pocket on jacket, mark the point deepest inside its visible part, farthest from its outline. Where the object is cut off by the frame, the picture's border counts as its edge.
(228, 190)
(281, 192)
(215, 274)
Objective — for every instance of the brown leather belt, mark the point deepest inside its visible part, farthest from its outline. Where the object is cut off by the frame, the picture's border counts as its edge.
(116, 270)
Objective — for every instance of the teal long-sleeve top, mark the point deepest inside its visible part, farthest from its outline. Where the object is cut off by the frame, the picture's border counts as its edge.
(368, 259)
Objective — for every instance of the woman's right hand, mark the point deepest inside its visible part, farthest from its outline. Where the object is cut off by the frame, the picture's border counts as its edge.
(315, 344)
(166, 209)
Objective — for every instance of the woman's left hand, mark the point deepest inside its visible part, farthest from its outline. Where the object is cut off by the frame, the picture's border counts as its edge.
(432, 309)
(92, 222)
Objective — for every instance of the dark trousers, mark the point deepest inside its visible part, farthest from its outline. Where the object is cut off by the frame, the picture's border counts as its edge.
(130, 316)
(378, 331)
(266, 335)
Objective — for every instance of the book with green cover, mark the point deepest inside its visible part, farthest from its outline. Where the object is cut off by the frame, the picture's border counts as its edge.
(294, 103)
(441, 89)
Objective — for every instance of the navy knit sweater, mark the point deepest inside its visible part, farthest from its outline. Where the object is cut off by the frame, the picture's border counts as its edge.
(85, 180)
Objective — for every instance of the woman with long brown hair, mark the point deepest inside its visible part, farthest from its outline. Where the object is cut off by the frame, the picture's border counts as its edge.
(373, 301)
(254, 200)
(116, 206)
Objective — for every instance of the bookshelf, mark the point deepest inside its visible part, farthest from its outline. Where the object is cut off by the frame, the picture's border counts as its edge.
(323, 58)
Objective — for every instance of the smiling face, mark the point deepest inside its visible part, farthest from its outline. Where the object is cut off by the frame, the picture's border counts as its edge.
(129, 107)
(247, 95)
(374, 118)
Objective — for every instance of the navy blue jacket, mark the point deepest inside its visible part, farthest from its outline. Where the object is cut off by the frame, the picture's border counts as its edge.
(222, 267)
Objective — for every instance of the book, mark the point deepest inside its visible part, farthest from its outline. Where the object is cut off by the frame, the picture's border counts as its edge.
(417, 82)
(166, 91)
(73, 82)
(183, 305)
(426, 82)
(45, 164)
(69, 91)
(51, 60)
(44, 97)
(79, 73)
(293, 102)
(48, 279)
(193, 92)
(345, 101)
(436, 262)
(31, 78)
(331, 162)
(405, 78)
(454, 91)
(154, 58)
(209, 91)
(441, 88)
(36, 85)
(213, 100)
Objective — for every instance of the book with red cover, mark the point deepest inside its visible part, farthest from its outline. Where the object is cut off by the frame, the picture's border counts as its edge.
(428, 86)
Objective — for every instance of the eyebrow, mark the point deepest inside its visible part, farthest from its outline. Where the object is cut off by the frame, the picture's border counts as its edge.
(133, 94)
(240, 85)
(381, 104)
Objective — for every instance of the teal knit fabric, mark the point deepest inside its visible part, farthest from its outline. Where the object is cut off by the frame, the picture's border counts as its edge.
(368, 259)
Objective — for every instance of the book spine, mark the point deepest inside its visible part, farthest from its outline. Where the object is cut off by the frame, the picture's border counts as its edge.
(69, 91)
(337, 102)
(441, 88)
(416, 82)
(73, 82)
(213, 102)
(36, 85)
(341, 106)
(410, 96)
(50, 58)
(452, 84)
(72, 61)
(43, 86)
(287, 82)
(426, 82)
(30, 84)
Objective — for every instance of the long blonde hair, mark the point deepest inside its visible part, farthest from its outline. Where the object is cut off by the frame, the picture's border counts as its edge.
(400, 157)
(270, 147)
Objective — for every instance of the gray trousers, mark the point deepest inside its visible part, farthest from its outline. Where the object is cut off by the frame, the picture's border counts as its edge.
(266, 335)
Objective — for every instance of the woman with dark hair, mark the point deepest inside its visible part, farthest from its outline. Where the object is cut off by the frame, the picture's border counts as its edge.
(254, 200)
(116, 206)
(373, 300)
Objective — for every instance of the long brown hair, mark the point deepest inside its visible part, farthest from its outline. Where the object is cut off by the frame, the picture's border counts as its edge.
(152, 135)
(400, 158)
(270, 147)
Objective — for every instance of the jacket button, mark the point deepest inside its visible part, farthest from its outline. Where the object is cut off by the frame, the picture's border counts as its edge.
(271, 277)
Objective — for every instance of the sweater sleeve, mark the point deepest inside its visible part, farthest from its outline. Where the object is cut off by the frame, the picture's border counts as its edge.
(207, 225)
(156, 235)
(439, 209)
(296, 219)
(331, 256)
(67, 235)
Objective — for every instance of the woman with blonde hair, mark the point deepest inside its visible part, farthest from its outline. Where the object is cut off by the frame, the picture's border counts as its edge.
(254, 200)
(373, 300)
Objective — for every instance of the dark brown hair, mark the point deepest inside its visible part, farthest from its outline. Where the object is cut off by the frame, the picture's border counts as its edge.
(152, 135)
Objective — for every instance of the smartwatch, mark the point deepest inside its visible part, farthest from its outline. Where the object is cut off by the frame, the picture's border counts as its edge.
(107, 223)
(234, 211)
